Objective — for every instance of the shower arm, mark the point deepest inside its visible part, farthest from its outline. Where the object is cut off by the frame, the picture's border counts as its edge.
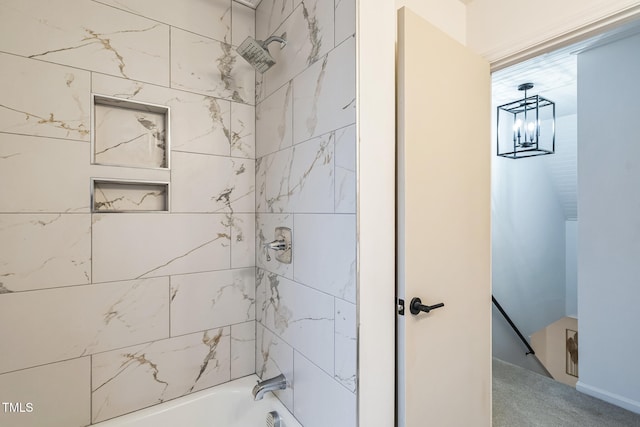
(272, 39)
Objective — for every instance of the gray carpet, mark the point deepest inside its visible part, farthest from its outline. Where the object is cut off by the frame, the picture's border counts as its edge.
(522, 398)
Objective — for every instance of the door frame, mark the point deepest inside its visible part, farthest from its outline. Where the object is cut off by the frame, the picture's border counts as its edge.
(376, 95)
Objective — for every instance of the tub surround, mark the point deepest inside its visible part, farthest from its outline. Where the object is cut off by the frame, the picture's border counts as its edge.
(305, 180)
(123, 310)
(129, 310)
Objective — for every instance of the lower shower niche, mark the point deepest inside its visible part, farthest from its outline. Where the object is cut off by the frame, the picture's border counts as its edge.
(129, 196)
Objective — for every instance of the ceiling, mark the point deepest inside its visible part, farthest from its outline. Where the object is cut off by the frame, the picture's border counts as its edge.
(554, 76)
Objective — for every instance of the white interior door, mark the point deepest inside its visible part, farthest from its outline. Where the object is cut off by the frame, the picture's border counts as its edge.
(444, 154)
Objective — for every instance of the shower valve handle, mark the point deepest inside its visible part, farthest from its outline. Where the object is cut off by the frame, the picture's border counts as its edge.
(277, 245)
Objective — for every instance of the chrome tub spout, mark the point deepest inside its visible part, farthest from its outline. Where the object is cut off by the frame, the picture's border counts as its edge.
(272, 384)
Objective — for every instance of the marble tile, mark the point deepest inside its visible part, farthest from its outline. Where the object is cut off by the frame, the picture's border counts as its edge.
(210, 67)
(324, 95)
(42, 388)
(42, 99)
(301, 179)
(46, 184)
(213, 299)
(94, 37)
(261, 184)
(243, 345)
(309, 34)
(112, 196)
(334, 237)
(345, 192)
(244, 23)
(207, 18)
(44, 251)
(301, 316)
(80, 320)
(313, 386)
(274, 357)
(243, 240)
(132, 245)
(345, 12)
(346, 344)
(274, 125)
(265, 228)
(270, 14)
(128, 137)
(199, 124)
(132, 378)
(203, 183)
(243, 130)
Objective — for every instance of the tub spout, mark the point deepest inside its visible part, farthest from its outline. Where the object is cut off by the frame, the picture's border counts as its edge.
(272, 384)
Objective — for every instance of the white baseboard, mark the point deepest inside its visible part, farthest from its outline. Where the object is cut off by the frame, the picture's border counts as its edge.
(615, 399)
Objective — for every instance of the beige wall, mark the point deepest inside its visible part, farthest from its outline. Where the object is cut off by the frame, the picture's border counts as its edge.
(448, 16)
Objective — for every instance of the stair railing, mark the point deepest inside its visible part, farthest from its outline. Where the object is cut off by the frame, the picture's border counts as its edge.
(513, 326)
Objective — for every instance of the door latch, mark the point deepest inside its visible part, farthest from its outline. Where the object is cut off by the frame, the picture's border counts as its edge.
(400, 307)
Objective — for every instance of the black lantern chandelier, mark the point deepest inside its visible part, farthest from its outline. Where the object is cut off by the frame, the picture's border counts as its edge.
(526, 127)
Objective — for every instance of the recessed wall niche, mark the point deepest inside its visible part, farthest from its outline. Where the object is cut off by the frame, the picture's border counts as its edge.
(128, 133)
(129, 196)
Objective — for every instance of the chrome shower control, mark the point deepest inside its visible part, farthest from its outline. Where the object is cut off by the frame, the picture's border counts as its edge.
(281, 245)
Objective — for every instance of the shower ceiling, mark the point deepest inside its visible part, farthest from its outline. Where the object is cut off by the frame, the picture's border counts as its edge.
(251, 3)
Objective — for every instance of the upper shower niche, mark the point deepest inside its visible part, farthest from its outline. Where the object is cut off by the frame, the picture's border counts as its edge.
(127, 133)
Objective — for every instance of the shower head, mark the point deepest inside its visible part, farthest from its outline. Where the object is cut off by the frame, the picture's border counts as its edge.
(256, 52)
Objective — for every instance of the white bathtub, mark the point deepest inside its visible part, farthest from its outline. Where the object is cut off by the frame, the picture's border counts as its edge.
(227, 405)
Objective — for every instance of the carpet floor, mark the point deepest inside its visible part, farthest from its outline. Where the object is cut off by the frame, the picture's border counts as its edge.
(522, 398)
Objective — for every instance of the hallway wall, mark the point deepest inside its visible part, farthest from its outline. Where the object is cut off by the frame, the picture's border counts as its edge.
(609, 203)
(106, 313)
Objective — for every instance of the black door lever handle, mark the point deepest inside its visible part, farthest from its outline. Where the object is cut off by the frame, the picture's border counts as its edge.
(416, 306)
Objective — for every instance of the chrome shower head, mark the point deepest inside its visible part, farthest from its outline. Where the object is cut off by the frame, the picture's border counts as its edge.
(256, 52)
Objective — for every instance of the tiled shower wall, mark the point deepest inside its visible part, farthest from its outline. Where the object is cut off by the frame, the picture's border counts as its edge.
(306, 180)
(105, 313)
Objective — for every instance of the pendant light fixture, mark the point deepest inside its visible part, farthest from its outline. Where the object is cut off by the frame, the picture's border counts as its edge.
(526, 127)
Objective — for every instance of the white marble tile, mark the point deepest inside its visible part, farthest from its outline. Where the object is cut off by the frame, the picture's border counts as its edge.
(345, 19)
(324, 95)
(265, 229)
(309, 34)
(346, 344)
(132, 378)
(261, 184)
(312, 386)
(128, 137)
(301, 316)
(208, 18)
(44, 251)
(133, 245)
(199, 124)
(93, 37)
(324, 250)
(274, 125)
(243, 346)
(243, 240)
(210, 67)
(301, 179)
(80, 320)
(59, 394)
(111, 196)
(204, 183)
(274, 357)
(43, 99)
(213, 299)
(45, 182)
(345, 191)
(270, 14)
(243, 130)
(244, 23)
